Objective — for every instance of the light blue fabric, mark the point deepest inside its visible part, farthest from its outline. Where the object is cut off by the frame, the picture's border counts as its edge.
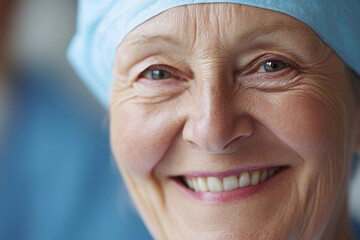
(102, 25)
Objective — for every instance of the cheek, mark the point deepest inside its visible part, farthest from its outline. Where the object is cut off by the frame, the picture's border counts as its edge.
(311, 118)
(304, 125)
(140, 135)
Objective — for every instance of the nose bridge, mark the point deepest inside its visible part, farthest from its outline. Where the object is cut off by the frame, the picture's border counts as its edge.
(213, 122)
(211, 110)
(212, 91)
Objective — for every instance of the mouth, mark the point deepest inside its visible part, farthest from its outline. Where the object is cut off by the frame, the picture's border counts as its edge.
(228, 183)
(228, 186)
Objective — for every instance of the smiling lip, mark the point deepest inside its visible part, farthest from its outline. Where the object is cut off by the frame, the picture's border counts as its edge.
(228, 186)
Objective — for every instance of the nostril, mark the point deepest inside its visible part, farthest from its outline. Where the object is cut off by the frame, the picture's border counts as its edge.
(192, 143)
(215, 132)
(234, 141)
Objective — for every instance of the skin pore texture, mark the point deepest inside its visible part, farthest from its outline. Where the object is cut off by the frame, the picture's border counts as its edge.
(208, 89)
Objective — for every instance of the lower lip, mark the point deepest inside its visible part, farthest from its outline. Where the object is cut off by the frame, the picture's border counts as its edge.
(239, 193)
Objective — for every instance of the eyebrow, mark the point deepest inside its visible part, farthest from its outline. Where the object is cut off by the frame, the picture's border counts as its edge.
(148, 39)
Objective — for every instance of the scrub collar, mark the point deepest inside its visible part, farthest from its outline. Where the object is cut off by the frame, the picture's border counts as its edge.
(102, 25)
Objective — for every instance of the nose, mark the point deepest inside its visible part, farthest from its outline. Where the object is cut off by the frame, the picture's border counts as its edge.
(217, 123)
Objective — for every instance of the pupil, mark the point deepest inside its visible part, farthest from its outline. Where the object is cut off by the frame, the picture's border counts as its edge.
(157, 74)
(273, 66)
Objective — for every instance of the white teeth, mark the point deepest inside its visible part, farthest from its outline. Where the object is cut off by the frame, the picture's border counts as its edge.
(230, 183)
(195, 184)
(214, 184)
(189, 182)
(244, 180)
(255, 178)
(202, 184)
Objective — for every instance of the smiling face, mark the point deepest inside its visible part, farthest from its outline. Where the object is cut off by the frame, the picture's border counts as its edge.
(232, 122)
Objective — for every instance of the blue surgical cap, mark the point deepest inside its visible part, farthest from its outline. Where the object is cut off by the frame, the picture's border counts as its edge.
(103, 24)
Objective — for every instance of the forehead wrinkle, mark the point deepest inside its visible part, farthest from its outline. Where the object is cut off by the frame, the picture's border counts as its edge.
(205, 20)
(188, 27)
(217, 19)
(212, 22)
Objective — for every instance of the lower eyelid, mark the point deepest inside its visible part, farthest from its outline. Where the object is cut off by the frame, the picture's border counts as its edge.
(279, 79)
(258, 77)
(151, 91)
(164, 83)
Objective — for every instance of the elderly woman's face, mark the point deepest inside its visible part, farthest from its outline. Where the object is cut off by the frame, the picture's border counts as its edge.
(232, 122)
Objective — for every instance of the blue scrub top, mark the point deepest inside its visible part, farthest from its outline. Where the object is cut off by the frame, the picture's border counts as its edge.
(57, 178)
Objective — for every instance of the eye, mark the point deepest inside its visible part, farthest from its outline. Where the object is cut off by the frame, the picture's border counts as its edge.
(272, 66)
(157, 74)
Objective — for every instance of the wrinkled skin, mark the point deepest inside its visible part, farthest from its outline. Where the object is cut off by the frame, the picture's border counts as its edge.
(216, 109)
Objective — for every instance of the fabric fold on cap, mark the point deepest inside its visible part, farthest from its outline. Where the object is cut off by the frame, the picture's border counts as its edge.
(102, 25)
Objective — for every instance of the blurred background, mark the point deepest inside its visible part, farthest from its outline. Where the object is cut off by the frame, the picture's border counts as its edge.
(57, 176)
(42, 32)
